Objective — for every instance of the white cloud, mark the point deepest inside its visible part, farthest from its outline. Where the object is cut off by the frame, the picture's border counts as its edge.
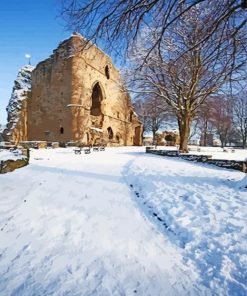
(27, 55)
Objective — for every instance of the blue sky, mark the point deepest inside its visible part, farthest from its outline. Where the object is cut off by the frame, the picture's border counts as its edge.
(26, 26)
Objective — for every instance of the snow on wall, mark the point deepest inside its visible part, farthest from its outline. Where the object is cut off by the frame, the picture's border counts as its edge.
(22, 85)
(8, 155)
(2, 127)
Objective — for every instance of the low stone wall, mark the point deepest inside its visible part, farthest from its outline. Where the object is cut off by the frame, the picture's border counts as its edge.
(34, 144)
(10, 165)
(204, 158)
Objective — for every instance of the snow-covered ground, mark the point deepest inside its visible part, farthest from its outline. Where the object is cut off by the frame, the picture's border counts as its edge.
(121, 222)
(8, 155)
(202, 210)
(216, 152)
(219, 153)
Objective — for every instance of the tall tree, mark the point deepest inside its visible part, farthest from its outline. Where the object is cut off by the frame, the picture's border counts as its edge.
(189, 67)
(118, 22)
(195, 46)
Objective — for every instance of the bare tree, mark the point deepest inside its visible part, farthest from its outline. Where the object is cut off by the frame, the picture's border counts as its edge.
(205, 122)
(240, 115)
(222, 118)
(153, 114)
(118, 22)
(184, 74)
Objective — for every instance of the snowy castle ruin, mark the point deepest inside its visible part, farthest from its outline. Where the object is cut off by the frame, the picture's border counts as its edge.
(74, 95)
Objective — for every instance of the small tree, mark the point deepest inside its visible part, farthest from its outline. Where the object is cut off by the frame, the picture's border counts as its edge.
(240, 115)
(205, 121)
(153, 114)
(222, 118)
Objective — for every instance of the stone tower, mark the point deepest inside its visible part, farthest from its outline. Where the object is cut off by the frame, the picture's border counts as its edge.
(77, 95)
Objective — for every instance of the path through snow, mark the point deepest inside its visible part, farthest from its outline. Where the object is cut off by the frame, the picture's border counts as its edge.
(70, 226)
(201, 209)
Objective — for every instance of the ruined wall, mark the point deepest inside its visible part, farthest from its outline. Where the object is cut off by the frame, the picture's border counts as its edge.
(16, 130)
(51, 93)
(92, 67)
(171, 138)
(77, 95)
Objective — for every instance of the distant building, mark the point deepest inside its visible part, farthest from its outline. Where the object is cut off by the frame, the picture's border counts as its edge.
(171, 138)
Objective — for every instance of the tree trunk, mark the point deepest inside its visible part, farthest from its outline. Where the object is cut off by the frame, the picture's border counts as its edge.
(154, 137)
(184, 125)
(223, 140)
(244, 143)
(205, 135)
(244, 139)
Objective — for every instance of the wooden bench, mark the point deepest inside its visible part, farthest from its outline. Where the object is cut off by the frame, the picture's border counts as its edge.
(78, 150)
(87, 150)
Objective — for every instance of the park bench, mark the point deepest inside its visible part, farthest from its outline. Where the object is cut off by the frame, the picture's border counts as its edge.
(78, 150)
(99, 148)
(87, 150)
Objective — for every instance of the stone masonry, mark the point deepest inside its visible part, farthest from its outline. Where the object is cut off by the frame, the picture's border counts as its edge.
(77, 95)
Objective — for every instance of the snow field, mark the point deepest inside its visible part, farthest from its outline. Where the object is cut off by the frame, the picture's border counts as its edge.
(8, 155)
(201, 209)
(70, 226)
(216, 152)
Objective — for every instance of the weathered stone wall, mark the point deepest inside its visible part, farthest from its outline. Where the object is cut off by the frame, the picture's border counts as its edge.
(77, 95)
(10, 165)
(16, 129)
(51, 93)
(171, 138)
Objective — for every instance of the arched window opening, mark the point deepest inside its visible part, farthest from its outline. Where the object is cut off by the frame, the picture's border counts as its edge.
(131, 116)
(107, 72)
(110, 133)
(170, 138)
(96, 100)
(61, 130)
(118, 138)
